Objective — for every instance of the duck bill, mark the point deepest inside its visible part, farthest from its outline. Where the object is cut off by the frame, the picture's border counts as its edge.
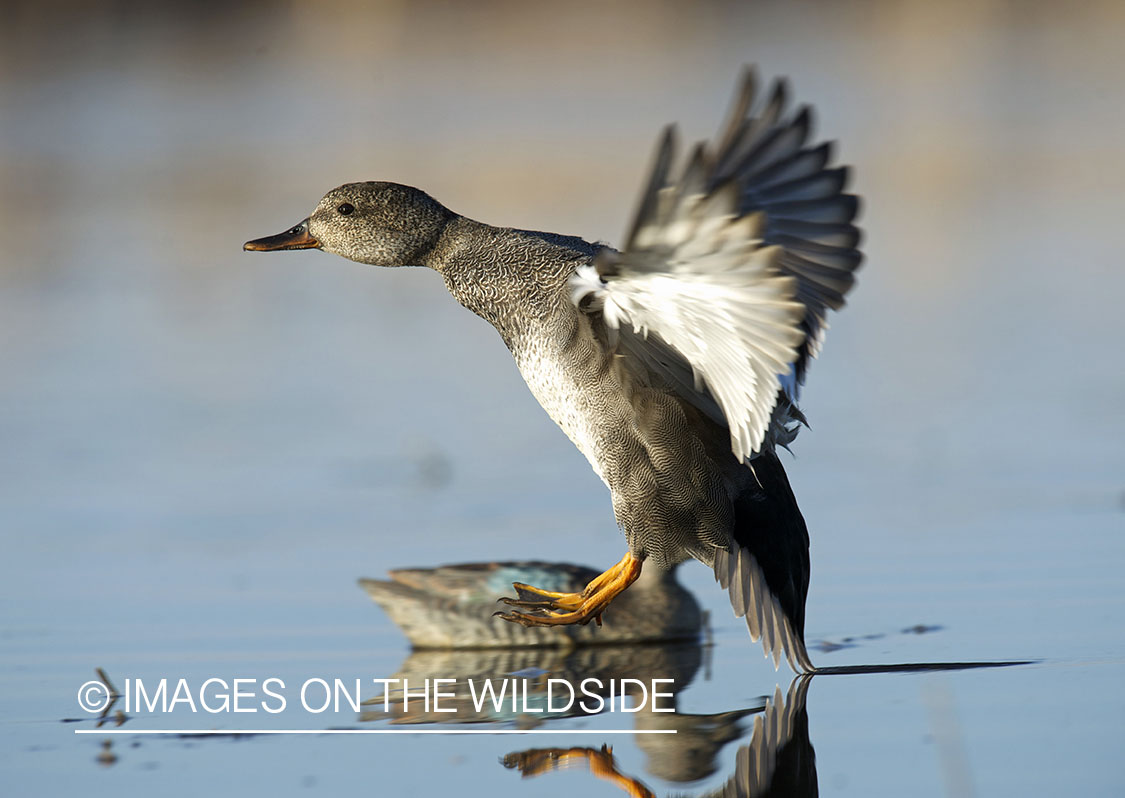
(294, 238)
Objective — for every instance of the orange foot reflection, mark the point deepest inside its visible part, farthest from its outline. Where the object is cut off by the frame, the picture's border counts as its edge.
(536, 761)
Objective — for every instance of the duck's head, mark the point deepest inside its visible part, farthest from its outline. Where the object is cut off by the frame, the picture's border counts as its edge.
(383, 224)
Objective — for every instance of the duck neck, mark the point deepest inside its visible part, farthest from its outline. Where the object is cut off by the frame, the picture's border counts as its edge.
(452, 243)
(513, 279)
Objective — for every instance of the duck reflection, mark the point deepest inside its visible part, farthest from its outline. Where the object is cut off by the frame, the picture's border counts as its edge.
(600, 676)
(779, 759)
(452, 606)
(446, 613)
(686, 756)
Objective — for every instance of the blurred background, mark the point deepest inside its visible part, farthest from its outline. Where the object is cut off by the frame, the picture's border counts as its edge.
(201, 449)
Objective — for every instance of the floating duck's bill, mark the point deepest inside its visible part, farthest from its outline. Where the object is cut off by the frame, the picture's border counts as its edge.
(294, 238)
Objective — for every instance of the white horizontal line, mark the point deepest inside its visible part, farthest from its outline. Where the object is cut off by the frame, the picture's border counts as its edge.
(232, 732)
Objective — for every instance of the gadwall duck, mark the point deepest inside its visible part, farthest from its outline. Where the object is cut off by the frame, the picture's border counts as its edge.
(452, 606)
(673, 363)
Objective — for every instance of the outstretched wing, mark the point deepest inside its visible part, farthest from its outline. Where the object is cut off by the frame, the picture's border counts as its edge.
(728, 270)
(808, 213)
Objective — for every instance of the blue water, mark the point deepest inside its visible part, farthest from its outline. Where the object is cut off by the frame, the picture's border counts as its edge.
(202, 449)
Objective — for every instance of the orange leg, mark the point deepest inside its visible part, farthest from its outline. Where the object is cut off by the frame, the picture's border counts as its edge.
(547, 608)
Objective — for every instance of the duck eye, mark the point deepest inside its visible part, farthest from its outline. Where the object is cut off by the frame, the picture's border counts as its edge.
(345, 209)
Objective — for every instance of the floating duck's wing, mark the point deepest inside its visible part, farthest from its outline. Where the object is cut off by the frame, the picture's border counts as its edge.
(483, 581)
(728, 270)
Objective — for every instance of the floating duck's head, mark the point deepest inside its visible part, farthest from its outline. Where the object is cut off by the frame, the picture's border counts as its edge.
(383, 224)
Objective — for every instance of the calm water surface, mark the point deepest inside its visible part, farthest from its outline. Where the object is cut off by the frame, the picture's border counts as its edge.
(201, 450)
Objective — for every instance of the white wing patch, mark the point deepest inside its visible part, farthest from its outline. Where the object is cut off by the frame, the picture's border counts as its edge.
(729, 267)
(719, 301)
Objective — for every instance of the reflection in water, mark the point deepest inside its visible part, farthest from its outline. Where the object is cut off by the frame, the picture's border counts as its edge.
(524, 675)
(453, 606)
(778, 760)
(689, 755)
(105, 756)
(537, 761)
(692, 752)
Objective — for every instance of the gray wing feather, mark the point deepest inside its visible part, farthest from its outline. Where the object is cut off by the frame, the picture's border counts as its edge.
(665, 155)
(808, 214)
(750, 597)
